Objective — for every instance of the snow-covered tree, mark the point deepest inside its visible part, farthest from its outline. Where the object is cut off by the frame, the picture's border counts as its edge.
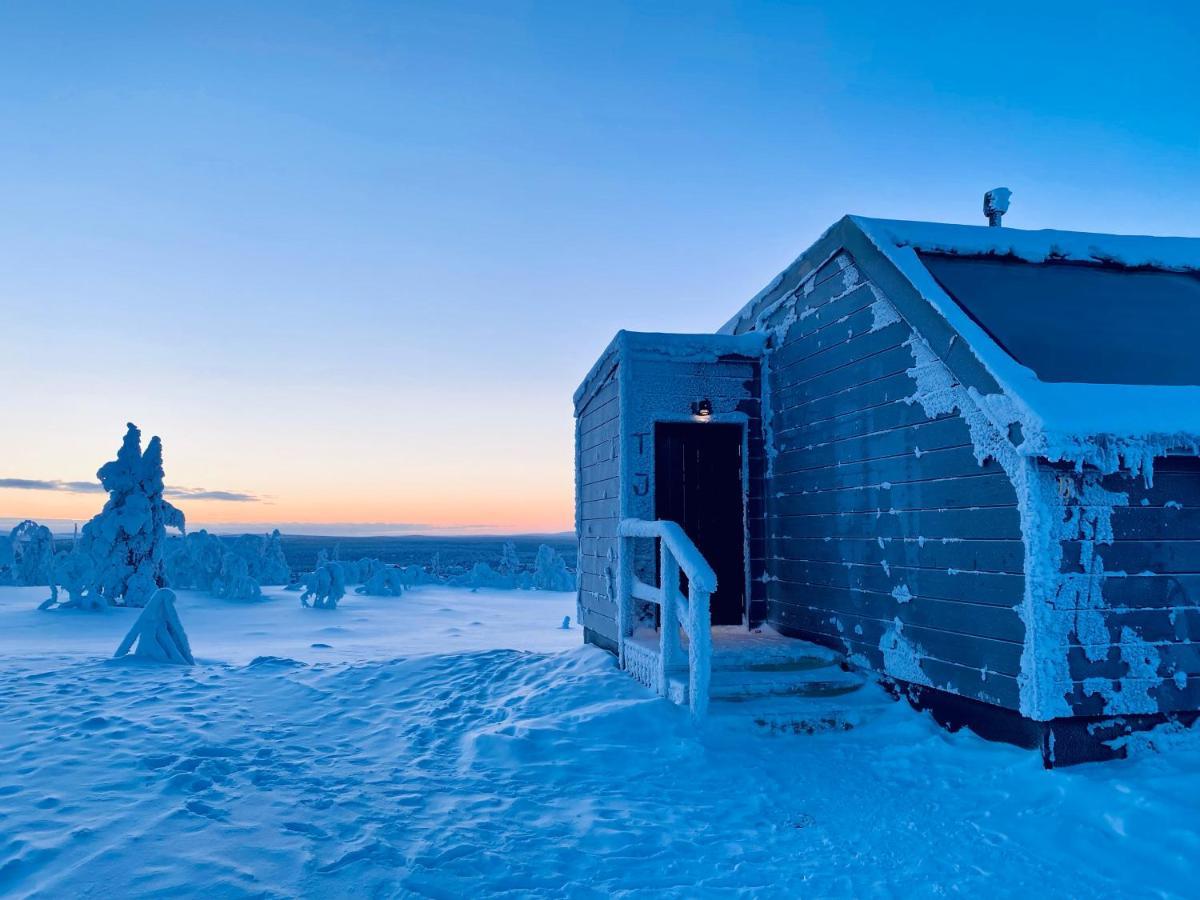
(275, 568)
(73, 573)
(550, 571)
(32, 547)
(234, 581)
(158, 634)
(382, 580)
(126, 540)
(414, 574)
(6, 560)
(482, 575)
(510, 563)
(194, 561)
(324, 586)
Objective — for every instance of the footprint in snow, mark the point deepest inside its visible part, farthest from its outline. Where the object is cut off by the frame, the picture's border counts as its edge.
(305, 828)
(200, 808)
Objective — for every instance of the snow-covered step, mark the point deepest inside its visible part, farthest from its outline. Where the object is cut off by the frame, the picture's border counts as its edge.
(786, 715)
(743, 684)
(747, 686)
(763, 679)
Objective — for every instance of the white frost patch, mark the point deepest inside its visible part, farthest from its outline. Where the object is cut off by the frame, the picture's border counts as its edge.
(902, 594)
(901, 657)
(1143, 660)
(883, 314)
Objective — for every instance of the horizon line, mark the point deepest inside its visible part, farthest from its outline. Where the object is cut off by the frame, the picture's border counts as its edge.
(65, 527)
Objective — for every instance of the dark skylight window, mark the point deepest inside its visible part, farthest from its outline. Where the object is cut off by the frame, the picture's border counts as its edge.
(1081, 323)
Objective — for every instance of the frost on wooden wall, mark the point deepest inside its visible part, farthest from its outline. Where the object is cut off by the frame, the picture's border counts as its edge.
(1060, 609)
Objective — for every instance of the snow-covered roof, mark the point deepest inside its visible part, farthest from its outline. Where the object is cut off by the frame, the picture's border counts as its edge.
(1176, 254)
(1097, 423)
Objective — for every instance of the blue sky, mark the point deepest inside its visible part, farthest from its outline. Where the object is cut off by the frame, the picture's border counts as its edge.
(352, 259)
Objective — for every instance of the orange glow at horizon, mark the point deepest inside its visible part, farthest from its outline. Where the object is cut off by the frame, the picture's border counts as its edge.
(543, 508)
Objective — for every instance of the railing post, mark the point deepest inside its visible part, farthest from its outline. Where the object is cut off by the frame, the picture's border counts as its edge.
(669, 630)
(624, 594)
(699, 652)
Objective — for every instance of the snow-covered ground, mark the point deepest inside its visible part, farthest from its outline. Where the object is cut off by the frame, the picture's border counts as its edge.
(450, 744)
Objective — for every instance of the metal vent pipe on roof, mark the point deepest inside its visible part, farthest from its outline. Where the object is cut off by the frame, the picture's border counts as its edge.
(995, 205)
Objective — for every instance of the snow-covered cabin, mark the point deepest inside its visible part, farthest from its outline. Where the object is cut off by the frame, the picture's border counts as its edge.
(964, 456)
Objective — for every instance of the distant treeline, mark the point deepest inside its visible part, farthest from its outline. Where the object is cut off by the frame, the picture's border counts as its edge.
(454, 552)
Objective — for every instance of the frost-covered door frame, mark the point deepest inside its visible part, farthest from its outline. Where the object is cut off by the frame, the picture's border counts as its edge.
(662, 378)
(742, 421)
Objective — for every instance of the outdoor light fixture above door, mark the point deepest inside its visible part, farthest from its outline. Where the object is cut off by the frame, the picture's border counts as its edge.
(702, 409)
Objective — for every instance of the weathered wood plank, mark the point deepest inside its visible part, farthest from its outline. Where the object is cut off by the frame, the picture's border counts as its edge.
(991, 488)
(601, 453)
(1151, 591)
(600, 396)
(597, 600)
(1135, 557)
(597, 527)
(989, 687)
(1172, 657)
(833, 382)
(862, 397)
(997, 622)
(1140, 523)
(966, 650)
(600, 489)
(948, 463)
(825, 318)
(608, 508)
(600, 470)
(799, 284)
(598, 622)
(986, 588)
(841, 346)
(875, 418)
(796, 453)
(989, 523)
(975, 556)
(601, 434)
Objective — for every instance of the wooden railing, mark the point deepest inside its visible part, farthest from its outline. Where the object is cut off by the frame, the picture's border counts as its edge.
(688, 611)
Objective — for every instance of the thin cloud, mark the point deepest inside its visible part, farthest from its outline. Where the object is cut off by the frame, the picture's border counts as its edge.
(93, 487)
(205, 494)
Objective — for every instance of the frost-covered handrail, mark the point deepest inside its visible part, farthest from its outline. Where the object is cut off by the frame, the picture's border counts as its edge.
(693, 563)
(689, 612)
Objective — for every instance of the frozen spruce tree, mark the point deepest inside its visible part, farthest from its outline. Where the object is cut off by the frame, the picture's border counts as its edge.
(275, 568)
(125, 542)
(550, 571)
(510, 563)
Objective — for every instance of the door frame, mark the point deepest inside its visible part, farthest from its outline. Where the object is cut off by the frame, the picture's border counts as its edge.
(741, 420)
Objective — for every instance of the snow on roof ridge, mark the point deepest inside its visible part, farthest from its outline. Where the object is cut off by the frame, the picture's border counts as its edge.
(1176, 254)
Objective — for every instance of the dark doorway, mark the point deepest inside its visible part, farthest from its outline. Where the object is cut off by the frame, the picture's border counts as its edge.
(698, 483)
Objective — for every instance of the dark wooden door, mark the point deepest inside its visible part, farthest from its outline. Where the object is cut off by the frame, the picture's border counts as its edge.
(698, 483)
